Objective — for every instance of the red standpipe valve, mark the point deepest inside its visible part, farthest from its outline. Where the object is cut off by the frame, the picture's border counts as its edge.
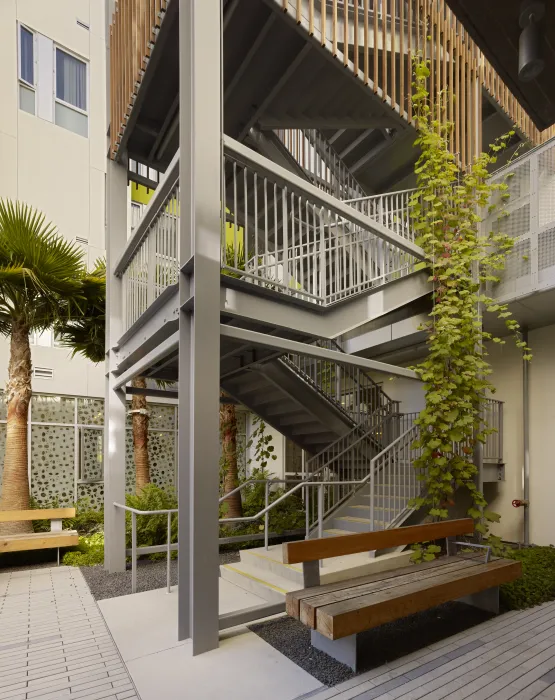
(518, 502)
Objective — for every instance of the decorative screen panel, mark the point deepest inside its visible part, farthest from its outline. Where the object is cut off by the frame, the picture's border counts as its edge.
(90, 411)
(546, 249)
(52, 409)
(53, 464)
(91, 454)
(161, 453)
(93, 493)
(546, 175)
(162, 416)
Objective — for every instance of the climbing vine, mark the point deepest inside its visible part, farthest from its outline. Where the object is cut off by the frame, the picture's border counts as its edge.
(463, 260)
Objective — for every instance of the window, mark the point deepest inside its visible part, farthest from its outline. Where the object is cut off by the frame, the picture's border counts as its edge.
(71, 93)
(26, 70)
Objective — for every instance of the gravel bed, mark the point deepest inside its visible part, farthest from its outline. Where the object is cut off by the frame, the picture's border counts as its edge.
(377, 647)
(150, 575)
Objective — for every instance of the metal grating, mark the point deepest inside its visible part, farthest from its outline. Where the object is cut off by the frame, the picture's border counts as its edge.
(517, 262)
(546, 249)
(515, 224)
(546, 167)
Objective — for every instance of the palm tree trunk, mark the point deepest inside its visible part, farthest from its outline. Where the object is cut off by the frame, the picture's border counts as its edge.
(15, 479)
(140, 419)
(228, 431)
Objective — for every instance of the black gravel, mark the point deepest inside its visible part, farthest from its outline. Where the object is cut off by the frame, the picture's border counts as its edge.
(377, 647)
(150, 575)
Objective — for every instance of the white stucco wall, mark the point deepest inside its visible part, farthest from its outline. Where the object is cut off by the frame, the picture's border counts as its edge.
(51, 168)
(507, 376)
(275, 466)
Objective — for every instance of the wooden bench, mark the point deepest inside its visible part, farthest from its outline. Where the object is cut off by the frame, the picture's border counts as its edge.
(337, 612)
(56, 538)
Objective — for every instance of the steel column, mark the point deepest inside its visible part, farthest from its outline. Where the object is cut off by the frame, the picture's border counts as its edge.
(115, 406)
(199, 323)
(526, 440)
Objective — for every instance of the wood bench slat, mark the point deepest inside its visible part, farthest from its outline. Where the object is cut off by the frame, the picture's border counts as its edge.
(11, 516)
(324, 548)
(38, 540)
(294, 598)
(349, 617)
(309, 606)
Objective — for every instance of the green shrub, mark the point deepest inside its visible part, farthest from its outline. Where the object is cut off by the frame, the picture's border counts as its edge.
(537, 584)
(87, 520)
(152, 529)
(288, 515)
(89, 552)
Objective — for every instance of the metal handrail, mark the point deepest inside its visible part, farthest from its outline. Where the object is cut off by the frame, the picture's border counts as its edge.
(379, 196)
(136, 550)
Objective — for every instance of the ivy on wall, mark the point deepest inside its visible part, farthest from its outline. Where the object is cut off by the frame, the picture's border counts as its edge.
(447, 209)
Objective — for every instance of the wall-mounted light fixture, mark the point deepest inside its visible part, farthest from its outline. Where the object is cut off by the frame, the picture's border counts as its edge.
(530, 61)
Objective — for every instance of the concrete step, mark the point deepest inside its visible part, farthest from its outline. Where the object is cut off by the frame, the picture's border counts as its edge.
(332, 532)
(263, 583)
(356, 524)
(363, 511)
(256, 576)
(261, 560)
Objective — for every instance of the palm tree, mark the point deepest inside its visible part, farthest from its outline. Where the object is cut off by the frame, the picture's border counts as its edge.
(228, 435)
(40, 283)
(85, 334)
(140, 418)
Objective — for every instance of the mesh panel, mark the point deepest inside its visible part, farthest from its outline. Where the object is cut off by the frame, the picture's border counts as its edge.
(546, 249)
(546, 161)
(517, 262)
(515, 224)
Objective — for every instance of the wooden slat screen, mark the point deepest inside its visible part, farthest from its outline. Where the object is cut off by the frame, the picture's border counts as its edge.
(383, 29)
(133, 31)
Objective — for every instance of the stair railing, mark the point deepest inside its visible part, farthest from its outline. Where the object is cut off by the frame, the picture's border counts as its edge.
(394, 481)
(390, 209)
(349, 388)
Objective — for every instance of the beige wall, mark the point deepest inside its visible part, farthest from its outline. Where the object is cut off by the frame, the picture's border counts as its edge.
(51, 168)
(507, 377)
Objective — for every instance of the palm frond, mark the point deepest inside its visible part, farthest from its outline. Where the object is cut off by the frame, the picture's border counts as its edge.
(40, 271)
(84, 331)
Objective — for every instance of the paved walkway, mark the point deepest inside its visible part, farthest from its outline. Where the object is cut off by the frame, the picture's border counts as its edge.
(54, 643)
(511, 657)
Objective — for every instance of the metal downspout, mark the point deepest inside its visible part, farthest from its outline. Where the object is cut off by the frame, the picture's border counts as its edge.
(526, 440)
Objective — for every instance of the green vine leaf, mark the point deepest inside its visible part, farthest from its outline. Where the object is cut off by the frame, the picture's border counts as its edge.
(462, 260)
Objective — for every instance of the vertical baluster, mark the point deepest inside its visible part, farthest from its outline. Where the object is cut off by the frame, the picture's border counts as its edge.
(255, 185)
(235, 215)
(375, 15)
(276, 249)
(246, 224)
(266, 254)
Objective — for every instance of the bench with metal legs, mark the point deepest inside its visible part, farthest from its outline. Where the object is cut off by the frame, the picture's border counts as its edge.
(338, 612)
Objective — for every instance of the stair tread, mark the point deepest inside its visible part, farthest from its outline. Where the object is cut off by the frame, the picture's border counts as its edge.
(335, 531)
(353, 519)
(365, 507)
(264, 577)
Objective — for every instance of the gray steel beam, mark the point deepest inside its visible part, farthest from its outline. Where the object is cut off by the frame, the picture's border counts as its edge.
(250, 303)
(115, 406)
(270, 341)
(159, 353)
(200, 131)
(284, 178)
(526, 440)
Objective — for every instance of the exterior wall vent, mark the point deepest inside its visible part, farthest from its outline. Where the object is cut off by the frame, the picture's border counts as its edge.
(82, 24)
(83, 241)
(43, 373)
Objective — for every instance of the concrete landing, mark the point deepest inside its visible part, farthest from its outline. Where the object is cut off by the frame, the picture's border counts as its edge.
(263, 573)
